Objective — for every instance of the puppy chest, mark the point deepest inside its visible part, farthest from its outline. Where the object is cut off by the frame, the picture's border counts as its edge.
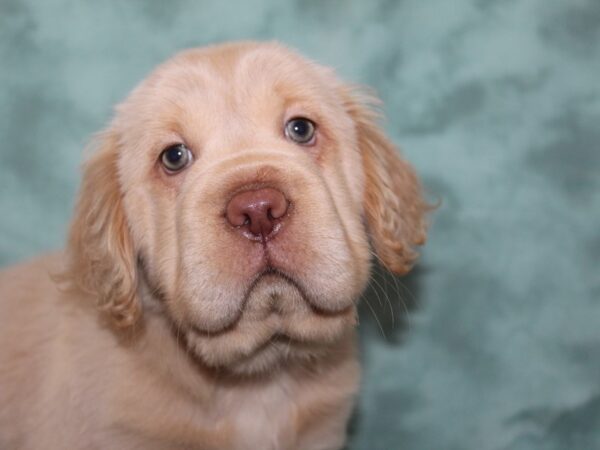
(264, 422)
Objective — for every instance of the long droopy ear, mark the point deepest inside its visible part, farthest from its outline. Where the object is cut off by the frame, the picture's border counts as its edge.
(393, 201)
(101, 258)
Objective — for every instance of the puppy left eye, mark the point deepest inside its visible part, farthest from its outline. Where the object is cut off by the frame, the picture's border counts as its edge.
(300, 130)
(175, 158)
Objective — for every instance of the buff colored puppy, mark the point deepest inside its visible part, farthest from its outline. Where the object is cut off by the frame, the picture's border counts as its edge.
(207, 296)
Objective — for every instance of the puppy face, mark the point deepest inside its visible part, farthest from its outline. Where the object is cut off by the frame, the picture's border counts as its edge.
(236, 183)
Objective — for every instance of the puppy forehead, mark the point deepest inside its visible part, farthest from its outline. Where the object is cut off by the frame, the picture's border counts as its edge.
(244, 69)
(247, 79)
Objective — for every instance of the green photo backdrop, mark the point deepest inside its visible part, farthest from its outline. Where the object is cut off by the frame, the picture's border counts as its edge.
(495, 340)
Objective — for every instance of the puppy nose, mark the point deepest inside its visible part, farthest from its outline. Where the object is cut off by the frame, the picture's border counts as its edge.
(257, 213)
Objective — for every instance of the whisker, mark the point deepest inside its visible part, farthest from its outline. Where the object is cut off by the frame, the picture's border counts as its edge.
(397, 290)
(386, 296)
(376, 318)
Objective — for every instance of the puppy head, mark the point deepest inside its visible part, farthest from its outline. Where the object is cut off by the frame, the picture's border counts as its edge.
(243, 187)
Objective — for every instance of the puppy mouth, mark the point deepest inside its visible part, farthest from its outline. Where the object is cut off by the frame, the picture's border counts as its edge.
(277, 324)
(272, 274)
(264, 297)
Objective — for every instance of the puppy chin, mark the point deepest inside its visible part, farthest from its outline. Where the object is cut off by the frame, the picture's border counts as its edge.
(277, 329)
(275, 353)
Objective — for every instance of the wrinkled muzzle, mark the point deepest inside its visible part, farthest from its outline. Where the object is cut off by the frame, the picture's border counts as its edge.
(263, 251)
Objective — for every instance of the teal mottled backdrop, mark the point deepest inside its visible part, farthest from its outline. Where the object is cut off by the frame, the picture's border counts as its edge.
(495, 343)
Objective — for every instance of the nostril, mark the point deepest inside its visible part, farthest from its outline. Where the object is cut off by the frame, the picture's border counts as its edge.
(257, 212)
(279, 209)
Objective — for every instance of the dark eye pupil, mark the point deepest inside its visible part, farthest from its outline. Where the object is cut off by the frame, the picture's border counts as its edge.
(174, 154)
(300, 127)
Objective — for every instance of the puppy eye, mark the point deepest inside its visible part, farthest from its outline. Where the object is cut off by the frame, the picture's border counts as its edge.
(300, 130)
(176, 157)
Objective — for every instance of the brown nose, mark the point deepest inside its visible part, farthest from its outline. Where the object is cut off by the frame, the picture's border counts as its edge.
(257, 213)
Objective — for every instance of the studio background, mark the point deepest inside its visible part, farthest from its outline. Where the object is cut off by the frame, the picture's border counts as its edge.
(495, 339)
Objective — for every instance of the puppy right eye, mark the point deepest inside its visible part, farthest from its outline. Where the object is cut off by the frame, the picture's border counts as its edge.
(175, 158)
(300, 130)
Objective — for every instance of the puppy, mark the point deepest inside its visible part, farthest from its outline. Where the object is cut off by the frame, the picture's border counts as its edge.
(207, 296)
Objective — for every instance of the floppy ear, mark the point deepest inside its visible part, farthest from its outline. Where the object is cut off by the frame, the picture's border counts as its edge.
(393, 200)
(101, 259)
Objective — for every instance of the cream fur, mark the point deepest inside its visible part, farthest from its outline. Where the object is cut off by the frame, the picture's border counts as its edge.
(154, 329)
